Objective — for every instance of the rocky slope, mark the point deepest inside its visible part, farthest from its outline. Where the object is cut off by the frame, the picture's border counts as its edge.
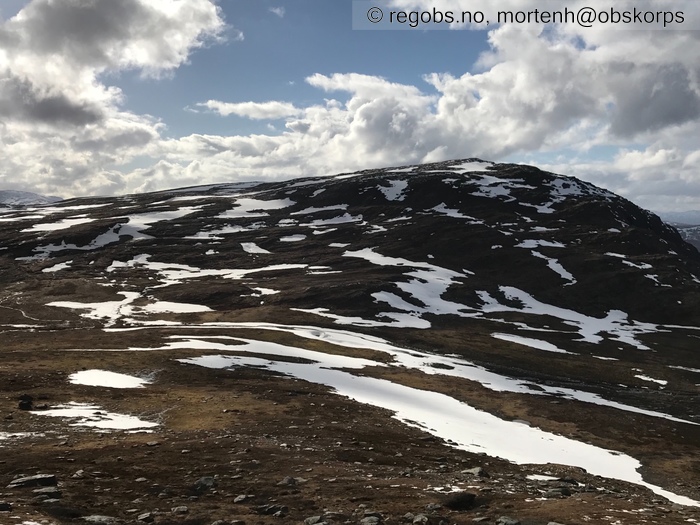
(687, 223)
(496, 311)
(690, 234)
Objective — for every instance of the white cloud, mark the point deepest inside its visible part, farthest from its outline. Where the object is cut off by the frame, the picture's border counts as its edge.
(154, 36)
(253, 110)
(278, 11)
(565, 93)
(536, 92)
(63, 129)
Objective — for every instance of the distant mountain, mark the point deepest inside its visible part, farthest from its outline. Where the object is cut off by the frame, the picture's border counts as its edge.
(687, 223)
(689, 218)
(533, 296)
(24, 198)
(690, 234)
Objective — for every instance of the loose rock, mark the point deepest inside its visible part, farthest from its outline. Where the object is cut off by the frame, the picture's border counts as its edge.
(49, 492)
(271, 510)
(432, 519)
(560, 492)
(476, 471)
(40, 480)
(288, 480)
(205, 483)
(100, 520)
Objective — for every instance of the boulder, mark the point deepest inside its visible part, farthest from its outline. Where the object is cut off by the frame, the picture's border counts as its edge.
(26, 402)
(460, 501)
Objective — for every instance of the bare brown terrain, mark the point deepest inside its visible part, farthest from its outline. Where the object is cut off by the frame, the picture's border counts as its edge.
(153, 282)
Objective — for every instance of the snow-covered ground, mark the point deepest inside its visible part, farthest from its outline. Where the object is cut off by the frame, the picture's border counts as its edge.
(457, 422)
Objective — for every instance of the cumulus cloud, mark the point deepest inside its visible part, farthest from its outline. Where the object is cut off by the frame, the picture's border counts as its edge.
(149, 35)
(19, 100)
(252, 110)
(533, 91)
(563, 93)
(63, 129)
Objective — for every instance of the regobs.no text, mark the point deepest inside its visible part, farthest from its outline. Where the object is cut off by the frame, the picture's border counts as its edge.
(633, 18)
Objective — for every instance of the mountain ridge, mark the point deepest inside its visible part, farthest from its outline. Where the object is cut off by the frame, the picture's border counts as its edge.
(25, 198)
(526, 295)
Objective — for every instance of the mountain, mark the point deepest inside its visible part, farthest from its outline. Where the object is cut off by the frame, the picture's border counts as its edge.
(521, 340)
(687, 223)
(689, 218)
(24, 198)
(690, 234)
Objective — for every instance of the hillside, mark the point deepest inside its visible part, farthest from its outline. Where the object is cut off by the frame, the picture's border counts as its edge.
(24, 198)
(352, 348)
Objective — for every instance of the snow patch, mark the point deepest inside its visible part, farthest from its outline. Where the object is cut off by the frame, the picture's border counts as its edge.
(106, 379)
(311, 210)
(532, 343)
(86, 415)
(251, 247)
(60, 225)
(247, 207)
(442, 208)
(292, 238)
(395, 191)
(162, 307)
(458, 423)
(471, 167)
(57, 267)
(651, 379)
(535, 243)
(555, 266)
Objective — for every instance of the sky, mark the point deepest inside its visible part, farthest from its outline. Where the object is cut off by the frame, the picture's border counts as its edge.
(108, 97)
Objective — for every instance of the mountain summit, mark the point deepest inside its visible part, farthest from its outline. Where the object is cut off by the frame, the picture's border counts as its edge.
(471, 300)
(416, 246)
